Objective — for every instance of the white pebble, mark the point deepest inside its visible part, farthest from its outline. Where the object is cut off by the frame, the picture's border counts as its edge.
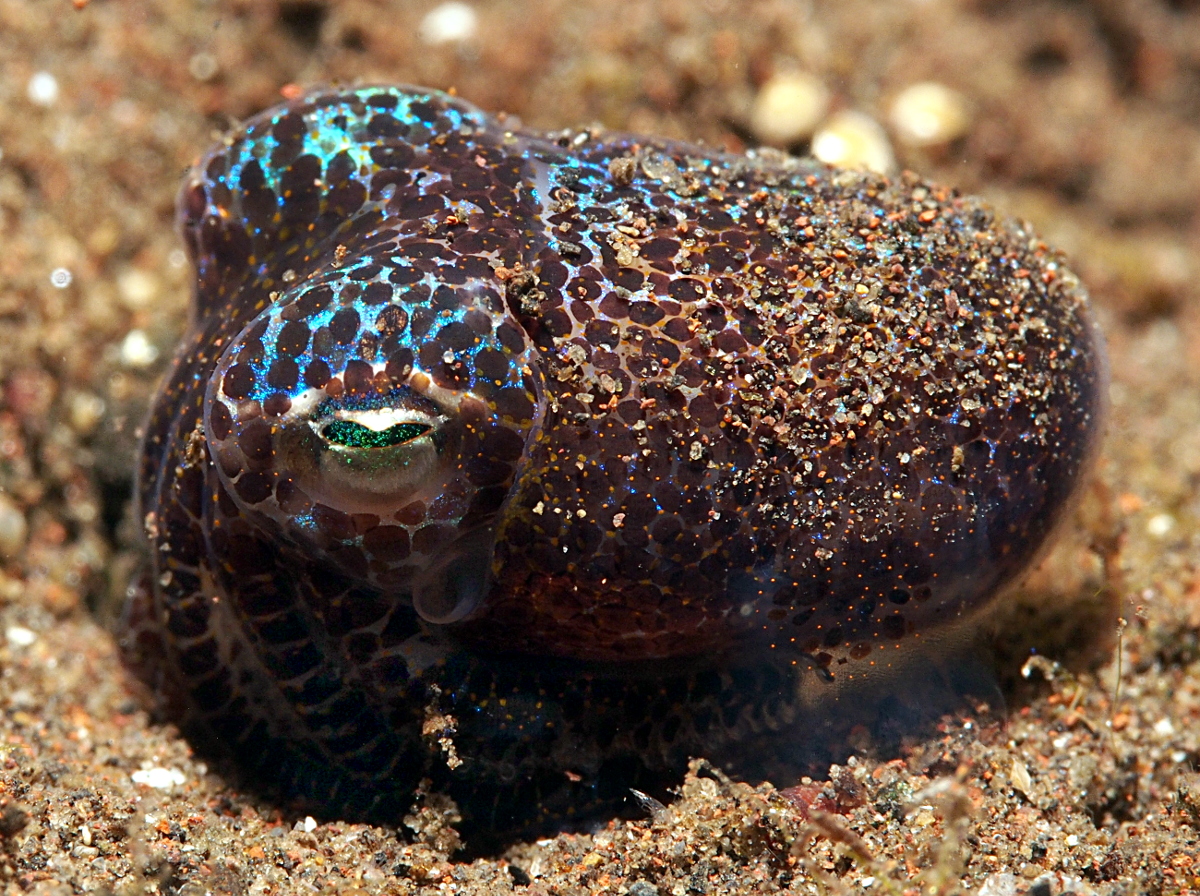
(928, 114)
(14, 529)
(788, 108)
(447, 23)
(158, 777)
(19, 636)
(42, 89)
(854, 140)
(1019, 775)
(1160, 524)
(137, 350)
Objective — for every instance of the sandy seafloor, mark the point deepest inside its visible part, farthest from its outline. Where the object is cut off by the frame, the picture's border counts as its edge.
(1085, 119)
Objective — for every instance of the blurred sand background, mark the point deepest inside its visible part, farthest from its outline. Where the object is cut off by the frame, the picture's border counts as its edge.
(1082, 116)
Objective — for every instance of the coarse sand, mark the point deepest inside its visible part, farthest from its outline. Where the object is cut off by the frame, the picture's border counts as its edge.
(1082, 117)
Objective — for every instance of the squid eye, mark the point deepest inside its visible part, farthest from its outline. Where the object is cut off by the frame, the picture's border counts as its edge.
(367, 456)
(349, 434)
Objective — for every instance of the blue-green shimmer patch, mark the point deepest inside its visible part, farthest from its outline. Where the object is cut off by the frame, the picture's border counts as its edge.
(349, 434)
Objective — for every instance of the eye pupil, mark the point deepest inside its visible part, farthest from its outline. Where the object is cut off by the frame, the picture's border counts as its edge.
(349, 434)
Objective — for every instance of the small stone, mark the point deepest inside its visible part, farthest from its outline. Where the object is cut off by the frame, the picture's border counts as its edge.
(203, 66)
(158, 777)
(924, 817)
(622, 171)
(85, 410)
(137, 350)
(42, 89)
(13, 820)
(854, 140)
(929, 114)
(657, 166)
(448, 23)
(19, 636)
(1164, 727)
(788, 108)
(137, 288)
(1019, 775)
(1160, 524)
(14, 529)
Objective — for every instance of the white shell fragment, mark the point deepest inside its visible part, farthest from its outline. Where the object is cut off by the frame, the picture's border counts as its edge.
(928, 114)
(788, 108)
(854, 140)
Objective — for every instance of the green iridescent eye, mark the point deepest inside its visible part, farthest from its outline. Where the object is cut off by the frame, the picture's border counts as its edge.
(349, 434)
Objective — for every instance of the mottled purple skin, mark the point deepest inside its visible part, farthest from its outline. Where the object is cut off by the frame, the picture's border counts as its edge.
(654, 443)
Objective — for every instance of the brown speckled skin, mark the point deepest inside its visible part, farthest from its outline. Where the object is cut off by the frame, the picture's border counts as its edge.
(705, 433)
